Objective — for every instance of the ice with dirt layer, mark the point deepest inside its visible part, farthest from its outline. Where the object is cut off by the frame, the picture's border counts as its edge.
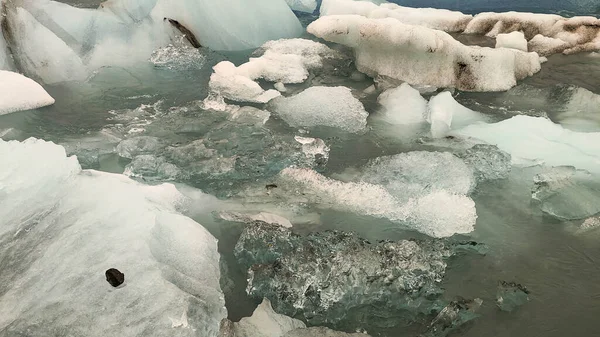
(446, 114)
(61, 228)
(418, 173)
(437, 214)
(319, 276)
(334, 107)
(567, 193)
(514, 40)
(537, 140)
(403, 105)
(424, 56)
(440, 19)
(569, 35)
(18, 92)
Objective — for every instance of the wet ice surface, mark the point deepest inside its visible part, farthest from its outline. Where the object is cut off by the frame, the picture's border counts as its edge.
(149, 122)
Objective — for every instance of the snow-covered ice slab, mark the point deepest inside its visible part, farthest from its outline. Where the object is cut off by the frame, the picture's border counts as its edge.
(18, 92)
(536, 140)
(61, 228)
(441, 19)
(548, 33)
(424, 56)
(323, 106)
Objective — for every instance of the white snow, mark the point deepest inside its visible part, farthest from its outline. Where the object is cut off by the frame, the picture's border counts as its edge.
(445, 114)
(322, 106)
(423, 56)
(514, 40)
(18, 92)
(434, 18)
(536, 140)
(65, 227)
(402, 105)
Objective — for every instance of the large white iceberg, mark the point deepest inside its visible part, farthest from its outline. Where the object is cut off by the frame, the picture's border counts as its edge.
(434, 18)
(18, 92)
(419, 55)
(62, 228)
(536, 140)
(125, 32)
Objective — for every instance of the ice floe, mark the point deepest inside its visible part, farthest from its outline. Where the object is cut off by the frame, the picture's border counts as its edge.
(18, 92)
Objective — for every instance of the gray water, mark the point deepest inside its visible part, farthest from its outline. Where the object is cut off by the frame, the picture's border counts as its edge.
(559, 265)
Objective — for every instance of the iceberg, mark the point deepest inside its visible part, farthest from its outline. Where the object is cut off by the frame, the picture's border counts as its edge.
(514, 40)
(18, 92)
(322, 106)
(63, 227)
(440, 19)
(536, 140)
(424, 56)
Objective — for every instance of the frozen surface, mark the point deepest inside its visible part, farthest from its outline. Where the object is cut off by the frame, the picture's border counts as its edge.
(322, 275)
(402, 105)
(536, 140)
(323, 106)
(423, 56)
(61, 228)
(434, 18)
(18, 92)
(514, 40)
(566, 193)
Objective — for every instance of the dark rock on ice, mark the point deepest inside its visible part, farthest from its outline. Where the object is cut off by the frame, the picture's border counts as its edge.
(114, 277)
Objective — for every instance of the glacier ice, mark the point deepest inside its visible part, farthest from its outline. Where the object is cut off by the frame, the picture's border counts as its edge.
(18, 92)
(402, 105)
(62, 227)
(307, 6)
(567, 193)
(424, 56)
(570, 35)
(514, 40)
(445, 114)
(440, 19)
(536, 140)
(322, 106)
(339, 278)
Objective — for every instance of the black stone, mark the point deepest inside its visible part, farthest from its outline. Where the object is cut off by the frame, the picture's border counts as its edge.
(115, 277)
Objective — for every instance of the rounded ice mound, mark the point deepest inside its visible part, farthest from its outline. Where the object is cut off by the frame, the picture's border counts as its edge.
(402, 105)
(322, 106)
(424, 56)
(18, 92)
(418, 173)
(65, 227)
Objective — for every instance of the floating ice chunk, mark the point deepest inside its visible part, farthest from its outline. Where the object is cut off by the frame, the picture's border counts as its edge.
(229, 84)
(402, 105)
(315, 149)
(580, 33)
(418, 173)
(423, 56)
(59, 229)
(445, 114)
(250, 115)
(132, 147)
(566, 193)
(441, 19)
(178, 56)
(590, 223)
(307, 6)
(538, 140)
(514, 40)
(438, 214)
(151, 167)
(488, 162)
(323, 106)
(264, 322)
(18, 92)
(279, 86)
